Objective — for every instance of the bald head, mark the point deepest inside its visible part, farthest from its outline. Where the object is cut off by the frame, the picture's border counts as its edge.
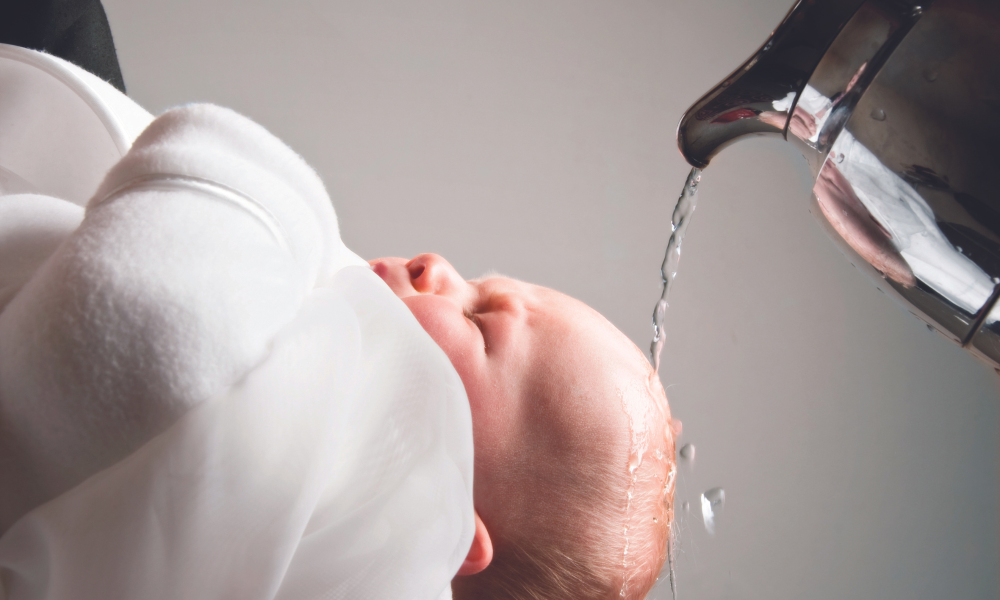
(571, 432)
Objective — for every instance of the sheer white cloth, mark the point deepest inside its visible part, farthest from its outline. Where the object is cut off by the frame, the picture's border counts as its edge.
(335, 470)
(334, 460)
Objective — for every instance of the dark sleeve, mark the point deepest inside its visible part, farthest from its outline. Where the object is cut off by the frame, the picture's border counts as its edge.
(74, 30)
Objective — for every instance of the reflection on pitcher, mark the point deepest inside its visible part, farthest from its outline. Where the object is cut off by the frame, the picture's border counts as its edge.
(854, 181)
(849, 217)
(811, 111)
(878, 213)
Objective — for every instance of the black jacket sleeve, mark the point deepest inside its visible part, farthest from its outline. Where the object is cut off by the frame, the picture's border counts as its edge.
(74, 30)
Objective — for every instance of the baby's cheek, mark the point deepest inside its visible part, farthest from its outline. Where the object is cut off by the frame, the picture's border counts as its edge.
(443, 320)
(462, 342)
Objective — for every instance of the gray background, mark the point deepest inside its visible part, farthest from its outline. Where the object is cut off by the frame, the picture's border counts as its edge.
(858, 450)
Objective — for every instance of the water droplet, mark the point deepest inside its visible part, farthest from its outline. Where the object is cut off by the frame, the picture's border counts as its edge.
(687, 452)
(996, 280)
(839, 157)
(686, 507)
(930, 74)
(959, 248)
(655, 520)
(930, 327)
(917, 11)
(633, 462)
(768, 45)
(712, 503)
(878, 114)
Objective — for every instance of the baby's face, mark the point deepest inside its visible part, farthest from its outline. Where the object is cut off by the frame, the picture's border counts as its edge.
(549, 379)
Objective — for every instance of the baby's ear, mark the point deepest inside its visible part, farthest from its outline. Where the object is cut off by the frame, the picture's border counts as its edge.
(480, 554)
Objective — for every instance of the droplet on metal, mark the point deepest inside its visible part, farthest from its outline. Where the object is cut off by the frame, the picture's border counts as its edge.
(878, 114)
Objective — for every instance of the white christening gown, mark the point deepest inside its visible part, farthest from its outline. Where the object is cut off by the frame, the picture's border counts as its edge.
(203, 392)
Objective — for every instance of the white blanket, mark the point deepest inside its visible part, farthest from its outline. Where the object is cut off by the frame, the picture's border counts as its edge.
(204, 394)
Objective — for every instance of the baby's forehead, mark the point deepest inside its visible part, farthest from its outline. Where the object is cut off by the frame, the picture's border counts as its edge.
(580, 351)
(605, 381)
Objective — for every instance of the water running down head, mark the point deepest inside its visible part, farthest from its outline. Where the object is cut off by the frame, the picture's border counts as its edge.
(562, 403)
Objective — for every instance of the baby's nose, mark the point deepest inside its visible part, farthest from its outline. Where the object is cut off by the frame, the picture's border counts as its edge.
(432, 274)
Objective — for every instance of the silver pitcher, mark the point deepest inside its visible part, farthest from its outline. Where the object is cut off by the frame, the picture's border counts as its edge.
(896, 106)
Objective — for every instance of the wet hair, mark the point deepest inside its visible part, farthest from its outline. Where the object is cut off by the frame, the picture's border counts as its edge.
(578, 551)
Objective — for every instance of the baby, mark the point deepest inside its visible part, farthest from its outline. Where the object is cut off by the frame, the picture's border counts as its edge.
(573, 447)
(573, 438)
(127, 337)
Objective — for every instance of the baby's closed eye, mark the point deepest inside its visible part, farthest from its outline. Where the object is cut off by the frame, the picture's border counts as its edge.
(474, 318)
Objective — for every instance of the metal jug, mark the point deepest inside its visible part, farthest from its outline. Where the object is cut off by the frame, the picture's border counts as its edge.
(896, 106)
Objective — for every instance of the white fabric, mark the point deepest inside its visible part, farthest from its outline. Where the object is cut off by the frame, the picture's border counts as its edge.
(79, 123)
(204, 394)
(343, 484)
(31, 228)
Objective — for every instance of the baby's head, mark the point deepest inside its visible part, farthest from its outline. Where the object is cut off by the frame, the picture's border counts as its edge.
(574, 451)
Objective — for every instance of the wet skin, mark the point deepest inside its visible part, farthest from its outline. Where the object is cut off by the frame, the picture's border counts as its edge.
(545, 375)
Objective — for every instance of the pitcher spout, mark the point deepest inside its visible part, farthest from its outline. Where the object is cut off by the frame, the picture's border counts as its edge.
(759, 97)
(893, 104)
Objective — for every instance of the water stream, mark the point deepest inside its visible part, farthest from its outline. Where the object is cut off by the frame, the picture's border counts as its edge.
(668, 270)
